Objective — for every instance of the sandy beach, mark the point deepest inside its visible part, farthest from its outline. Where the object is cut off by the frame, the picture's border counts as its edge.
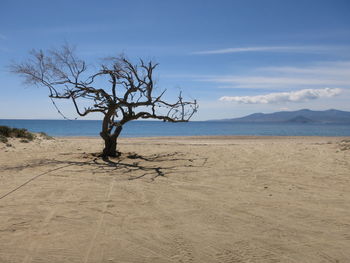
(179, 199)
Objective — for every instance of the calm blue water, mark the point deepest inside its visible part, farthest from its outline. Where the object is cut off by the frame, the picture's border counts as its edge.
(156, 128)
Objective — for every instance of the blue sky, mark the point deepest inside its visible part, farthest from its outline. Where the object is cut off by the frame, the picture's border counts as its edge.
(235, 57)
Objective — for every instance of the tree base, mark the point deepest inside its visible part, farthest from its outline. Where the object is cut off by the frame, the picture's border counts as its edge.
(113, 155)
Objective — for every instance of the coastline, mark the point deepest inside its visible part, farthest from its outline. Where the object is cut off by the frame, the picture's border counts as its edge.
(209, 137)
(62, 128)
(199, 199)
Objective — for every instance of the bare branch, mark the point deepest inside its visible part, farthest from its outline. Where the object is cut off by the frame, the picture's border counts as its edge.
(129, 95)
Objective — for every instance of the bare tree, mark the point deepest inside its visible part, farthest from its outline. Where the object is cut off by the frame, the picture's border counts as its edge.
(120, 90)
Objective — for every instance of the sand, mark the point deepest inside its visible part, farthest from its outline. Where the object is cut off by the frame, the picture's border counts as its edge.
(194, 199)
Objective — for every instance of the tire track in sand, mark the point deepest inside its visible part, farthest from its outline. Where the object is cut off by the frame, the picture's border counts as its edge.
(32, 250)
(99, 222)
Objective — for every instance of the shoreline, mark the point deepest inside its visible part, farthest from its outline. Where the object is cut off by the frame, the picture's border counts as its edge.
(210, 137)
(160, 129)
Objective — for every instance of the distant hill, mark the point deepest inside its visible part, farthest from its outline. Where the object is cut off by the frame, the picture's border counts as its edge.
(300, 116)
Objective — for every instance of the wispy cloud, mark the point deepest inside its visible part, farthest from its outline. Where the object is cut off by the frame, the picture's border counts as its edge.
(286, 49)
(3, 37)
(281, 97)
(336, 69)
(274, 82)
(319, 75)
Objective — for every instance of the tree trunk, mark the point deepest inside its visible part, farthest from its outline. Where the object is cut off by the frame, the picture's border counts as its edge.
(110, 149)
(110, 139)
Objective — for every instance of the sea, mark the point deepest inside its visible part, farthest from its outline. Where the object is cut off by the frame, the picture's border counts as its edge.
(61, 128)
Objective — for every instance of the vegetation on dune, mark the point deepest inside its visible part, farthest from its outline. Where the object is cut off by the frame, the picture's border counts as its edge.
(6, 132)
(45, 136)
(3, 139)
(25, 136)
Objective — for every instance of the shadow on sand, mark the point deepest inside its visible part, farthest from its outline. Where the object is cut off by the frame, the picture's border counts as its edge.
(133, 165)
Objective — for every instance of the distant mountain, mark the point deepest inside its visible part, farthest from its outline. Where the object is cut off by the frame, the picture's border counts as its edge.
(300, 119)
(300, 116)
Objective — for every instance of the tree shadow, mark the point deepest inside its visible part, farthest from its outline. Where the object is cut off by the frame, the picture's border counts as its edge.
(134, 165)
(138, 166)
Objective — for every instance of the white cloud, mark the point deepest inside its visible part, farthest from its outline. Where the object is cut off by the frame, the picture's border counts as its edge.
(293, 96)
(288, 49)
